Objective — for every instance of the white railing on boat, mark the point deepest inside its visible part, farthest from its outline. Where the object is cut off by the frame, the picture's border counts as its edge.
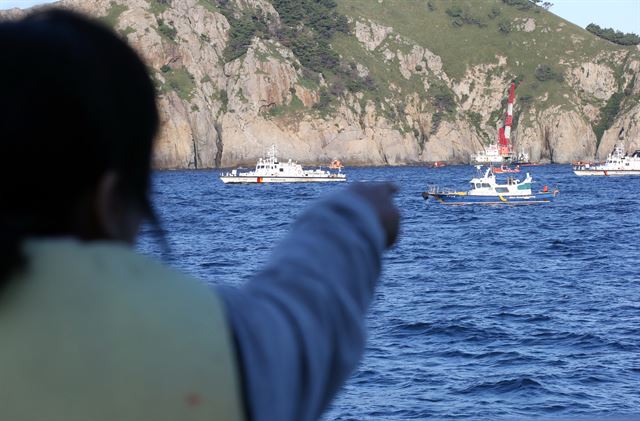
(436, 189)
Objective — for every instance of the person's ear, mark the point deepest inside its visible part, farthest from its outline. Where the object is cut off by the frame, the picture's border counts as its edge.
(117, 218)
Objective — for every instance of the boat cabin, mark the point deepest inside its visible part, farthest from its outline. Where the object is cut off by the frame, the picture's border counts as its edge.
(487, 185)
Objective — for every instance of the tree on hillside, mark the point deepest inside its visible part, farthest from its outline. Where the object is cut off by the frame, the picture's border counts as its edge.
(545, 72)
(527, 4)
(544, 4)
(614, 36)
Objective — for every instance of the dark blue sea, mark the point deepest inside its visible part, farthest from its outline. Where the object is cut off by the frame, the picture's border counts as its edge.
(481, 312)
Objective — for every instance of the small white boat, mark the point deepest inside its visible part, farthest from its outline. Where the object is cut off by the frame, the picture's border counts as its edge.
(485, 190)
(617, 163)
(271, 170)
(522, 158)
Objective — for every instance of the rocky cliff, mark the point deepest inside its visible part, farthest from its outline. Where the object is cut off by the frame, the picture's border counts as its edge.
(412, 81)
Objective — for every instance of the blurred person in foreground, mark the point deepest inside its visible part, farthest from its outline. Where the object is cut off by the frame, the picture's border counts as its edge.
(90, 330)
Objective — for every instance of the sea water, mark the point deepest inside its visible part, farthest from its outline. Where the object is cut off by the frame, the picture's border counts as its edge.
(481, 312)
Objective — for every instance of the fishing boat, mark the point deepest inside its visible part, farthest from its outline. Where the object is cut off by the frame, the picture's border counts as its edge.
(486, 190)
(271, 170)
(617, 163)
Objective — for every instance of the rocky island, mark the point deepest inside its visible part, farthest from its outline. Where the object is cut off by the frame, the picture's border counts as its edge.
(374, 82)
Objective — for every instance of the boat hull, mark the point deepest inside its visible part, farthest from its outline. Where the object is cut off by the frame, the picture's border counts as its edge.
(465, 199)
(260, 180)
(605, 173)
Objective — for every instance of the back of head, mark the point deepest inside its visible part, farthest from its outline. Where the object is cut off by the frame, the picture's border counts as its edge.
(76, 102)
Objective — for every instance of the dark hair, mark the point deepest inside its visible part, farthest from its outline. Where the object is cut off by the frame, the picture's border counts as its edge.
(75, 102)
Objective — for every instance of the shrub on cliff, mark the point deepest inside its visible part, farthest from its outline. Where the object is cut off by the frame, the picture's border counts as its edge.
(504, 26)
(167, 30)
(442, 98)
(520, 4)
(545, 72)
(460, 17)
(307, 28)
(113, 13)
(608, 114)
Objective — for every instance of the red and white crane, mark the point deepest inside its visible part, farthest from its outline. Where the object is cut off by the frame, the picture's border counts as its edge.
(504, 133)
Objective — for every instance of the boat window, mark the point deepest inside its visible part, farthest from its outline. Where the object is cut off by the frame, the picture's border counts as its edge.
(487, 185)
(478, 185)
(473, 186)
(502, 190)
(281, 169)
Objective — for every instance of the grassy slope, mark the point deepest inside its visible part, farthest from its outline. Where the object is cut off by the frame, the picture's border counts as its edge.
(471, 45)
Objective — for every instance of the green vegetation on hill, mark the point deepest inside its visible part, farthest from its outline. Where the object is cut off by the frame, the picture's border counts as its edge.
(614, 36)
(460, 17)
(210, 5)
(308, 28)
(177, 79)
(113, 13)
(545, 72)
(167, 30)
(540, 50)
(464, 33)
(442, 98)
(432, 24)
(621, 99)
(608, 114)
(244, 26)
(158, 6)
(520, 4)
(528, 4)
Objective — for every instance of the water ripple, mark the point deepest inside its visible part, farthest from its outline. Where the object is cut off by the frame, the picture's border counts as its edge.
(482, 313)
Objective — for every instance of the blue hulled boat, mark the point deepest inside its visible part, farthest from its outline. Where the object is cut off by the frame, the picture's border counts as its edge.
(485, 190)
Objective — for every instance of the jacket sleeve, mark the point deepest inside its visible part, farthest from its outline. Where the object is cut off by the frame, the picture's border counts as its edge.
(299, 324)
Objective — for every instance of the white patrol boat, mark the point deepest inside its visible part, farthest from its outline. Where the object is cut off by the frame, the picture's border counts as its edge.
(271, 170)
(617, 163)
(485, 190)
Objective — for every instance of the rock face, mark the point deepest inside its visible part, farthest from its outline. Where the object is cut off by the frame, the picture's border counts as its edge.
(566, 136)
(625, 131)
(526, 25)
(595, 79)
(224, 113)
(370, 34)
